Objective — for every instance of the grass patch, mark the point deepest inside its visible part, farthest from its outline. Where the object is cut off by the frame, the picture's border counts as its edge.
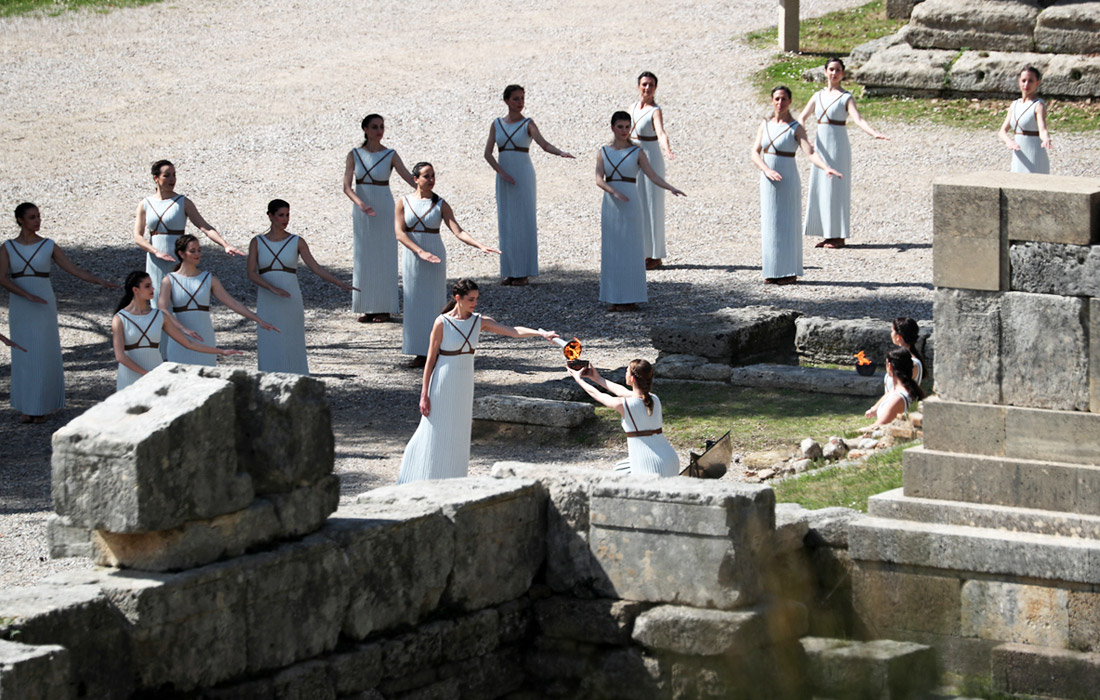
(837, 33)
(849, 487)
(758, 419)
(56, 7)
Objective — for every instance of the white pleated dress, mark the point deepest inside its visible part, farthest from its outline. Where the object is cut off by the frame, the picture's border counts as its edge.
(277, 263)
(440, 447)
(781, 203)
(191, 307)
(650, 196)
(37, 375)
(374, 268)
(1032, 157)
(166, 221)
(650, 451)
(142, 339)
(622, 257)
(425, 283)
(517, 222)
(829, 201)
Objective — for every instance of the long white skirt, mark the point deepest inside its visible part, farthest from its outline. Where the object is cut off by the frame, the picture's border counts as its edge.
(440, 448)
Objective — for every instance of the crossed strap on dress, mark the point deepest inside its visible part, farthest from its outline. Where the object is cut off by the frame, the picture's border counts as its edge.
(27, 263)
(1016, 124)
(465, 339)
(420, 219)
(282, 267)
(160, 219)
(771, 141)
(615, 167)
(633, 127)
(191, 297)
(508, 137)
(144, 332)
(368, 177)
(636, 432)
(824, 118)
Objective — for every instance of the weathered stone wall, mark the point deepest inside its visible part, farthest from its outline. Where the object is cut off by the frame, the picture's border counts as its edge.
(995, 538)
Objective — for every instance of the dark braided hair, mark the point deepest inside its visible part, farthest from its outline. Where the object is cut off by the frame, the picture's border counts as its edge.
(909, 331)
(902, 362)
(642, 372)
(134, 279)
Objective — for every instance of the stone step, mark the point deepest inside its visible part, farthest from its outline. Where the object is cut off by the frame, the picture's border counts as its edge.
(882, 669)
(974, 549)
(1058, 674)
(895, 505)
(505, 408)
(812, 379)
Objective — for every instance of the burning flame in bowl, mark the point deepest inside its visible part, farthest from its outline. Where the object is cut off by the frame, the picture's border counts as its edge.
(572, 349)
(861, 358)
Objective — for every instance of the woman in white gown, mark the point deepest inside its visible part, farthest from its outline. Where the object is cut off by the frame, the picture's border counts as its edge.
(273, 267)
(517, 222)
(367, 184)
(622, 254)
(37, 375)
(777, 142)
(1027, 120)
(185, 293)
(648, 131)
(417, 221)
(900, 370)
(829, 201)
(137, 330)
(905, 333)
(440, 448)
(650, 451)
(165, 216)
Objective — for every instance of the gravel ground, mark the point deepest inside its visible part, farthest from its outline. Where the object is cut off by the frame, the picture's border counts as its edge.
(262, 98)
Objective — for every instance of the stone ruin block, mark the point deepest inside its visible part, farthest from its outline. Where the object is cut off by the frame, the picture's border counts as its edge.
(34, 672)
(1094, 355)
(1069, 26)
(900, 67)
(401, 556)
(133, 464)
(883, 669)
(732, 336)
(699, 632)
(596, 621)
(284, 426)
(681, 540)
(1055, 268)
(835, 341)
(900, 9)
(1044, 351)
(498, 533)
(1049, 208)
(966, 247)
(965, 428)
(973, 24)
(80, 619)
(969, 368)
(532, 411)
(1023, 670)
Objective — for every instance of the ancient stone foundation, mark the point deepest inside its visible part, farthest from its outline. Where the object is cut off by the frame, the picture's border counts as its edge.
(991, 551)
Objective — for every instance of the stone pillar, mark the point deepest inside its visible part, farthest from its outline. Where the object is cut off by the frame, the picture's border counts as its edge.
(995, 537)
(788, 25)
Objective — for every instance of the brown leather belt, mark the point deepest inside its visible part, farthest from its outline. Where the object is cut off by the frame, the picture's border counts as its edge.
(365, 181)
(166, 233)
(138, 346)
(521, 150)
(834, 122)
(197, 307)
(785, 154)
(17, 275)
(644, 433)
(291, 270)
(1025, 132)
(621, 179)
(456, 352)
(426, 230)
(646, 138)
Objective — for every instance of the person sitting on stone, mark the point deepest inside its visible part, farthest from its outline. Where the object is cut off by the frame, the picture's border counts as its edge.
(899, 368)
(904, 332)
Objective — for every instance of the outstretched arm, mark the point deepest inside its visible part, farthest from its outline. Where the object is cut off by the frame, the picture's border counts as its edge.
(643, 163)
(815, 158)
(10, 343)
(67, 265)
(600, 397)
(307, 258)
(492, 326)
(662, 135)
(861, 122)
(226, 298)
(460, 234)
(179, 337)
(195, 217)
(1041, 121)
(545, 145)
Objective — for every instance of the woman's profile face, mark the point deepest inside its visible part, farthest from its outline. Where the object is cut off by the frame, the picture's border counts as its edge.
(193, 252)
(166, 177)
(647, 86)
(469, 301)
(144, 290)
(31, 220)
(280, 218)
(516, 101)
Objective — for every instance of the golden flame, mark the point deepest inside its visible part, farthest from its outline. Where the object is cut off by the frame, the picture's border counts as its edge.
(572, 349)
(861, 359)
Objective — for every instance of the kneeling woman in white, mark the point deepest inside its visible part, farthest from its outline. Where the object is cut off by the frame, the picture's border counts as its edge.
(650, 451)
(905, 390)
(440, 448)
(136, 332)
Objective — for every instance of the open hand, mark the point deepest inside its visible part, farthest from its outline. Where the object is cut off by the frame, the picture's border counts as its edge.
(427, 257)
(233, 250)
(35, 299)
(620, 196)
(507, 178)
(278, 291)
(773, 175)
(425, 406)
(227, 351)
(194, 335)
(369, 211)
(563, 154)
(164, 256)
(268, 327)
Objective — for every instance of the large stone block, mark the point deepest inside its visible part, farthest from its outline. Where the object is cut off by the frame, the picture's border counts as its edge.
(599, 621)
(132, 464)
(903, 68)
(1094, 355)
(1044, 351)
(1026, 670)
(296, 597)
(883, 669)
(67, 539)
(966, 246)
(533, 411)
(968, 367)
(812, 379)
(681, 540)
(974, 24)
(888, 599)
(1069, 26)
(81, 619)
(967, 428)
(1015, 612)
(400, 555)
(34, 672)
(1049, 208)
(733, 336)
(498, 533)
(305, 509)
(900, 9)
(284, 426)
(1060, 436)
(836, 341)
(698, 632)
(1055, 268)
